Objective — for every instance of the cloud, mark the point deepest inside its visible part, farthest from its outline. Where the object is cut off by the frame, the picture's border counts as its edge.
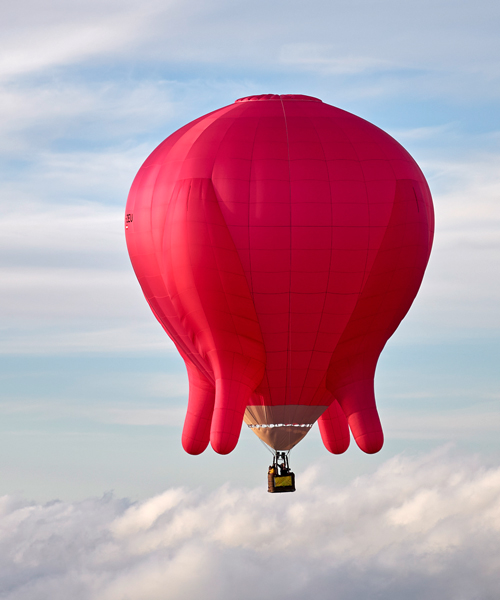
(67, 285)
(480, 421)
(39, 114)
(423, 133)
(37, 411)
(418, 527)
(319, 57)
(83, 228)
(59, 44)
(80, 293)
(35, 38)
(62, 338)
(168, 417)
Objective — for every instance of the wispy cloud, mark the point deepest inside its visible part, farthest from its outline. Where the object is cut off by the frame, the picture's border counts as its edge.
(34, 39)
(323, 58)
(110, 413)
(474, 422)
(103, 116)
(61, 338)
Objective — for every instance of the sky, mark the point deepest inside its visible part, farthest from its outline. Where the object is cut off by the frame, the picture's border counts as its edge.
(98, 499)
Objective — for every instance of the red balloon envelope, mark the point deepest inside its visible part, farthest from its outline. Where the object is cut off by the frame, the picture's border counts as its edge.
(279, 241)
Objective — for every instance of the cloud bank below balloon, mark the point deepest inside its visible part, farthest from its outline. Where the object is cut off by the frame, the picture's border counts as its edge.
(418, 527)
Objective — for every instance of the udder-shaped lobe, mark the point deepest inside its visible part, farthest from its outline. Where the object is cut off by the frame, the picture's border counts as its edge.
(388, 293)
(209, 291)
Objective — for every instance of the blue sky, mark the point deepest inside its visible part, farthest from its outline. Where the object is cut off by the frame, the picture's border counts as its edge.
(92, 391)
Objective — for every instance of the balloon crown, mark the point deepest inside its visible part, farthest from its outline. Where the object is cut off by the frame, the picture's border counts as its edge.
(279, 97)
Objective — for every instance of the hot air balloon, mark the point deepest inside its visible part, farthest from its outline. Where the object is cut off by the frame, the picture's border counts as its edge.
(280, 241)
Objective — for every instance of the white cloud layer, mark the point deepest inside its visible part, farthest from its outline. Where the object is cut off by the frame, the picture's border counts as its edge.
(426, 527)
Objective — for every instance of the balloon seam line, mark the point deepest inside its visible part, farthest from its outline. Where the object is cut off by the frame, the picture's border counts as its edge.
(289, 341)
